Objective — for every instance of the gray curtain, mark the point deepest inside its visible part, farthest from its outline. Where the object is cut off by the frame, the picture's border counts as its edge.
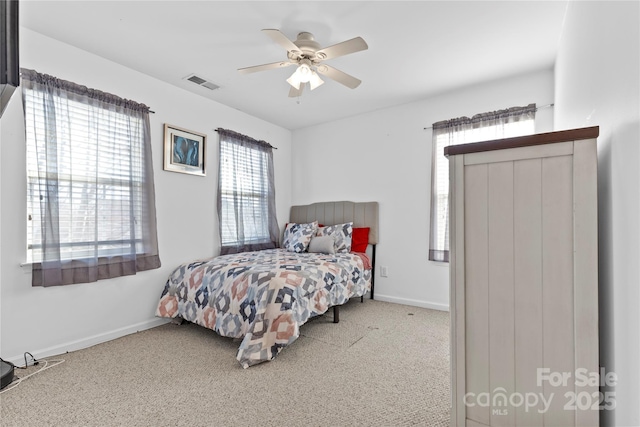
(480, 127)
(246, 194)
(90, 183)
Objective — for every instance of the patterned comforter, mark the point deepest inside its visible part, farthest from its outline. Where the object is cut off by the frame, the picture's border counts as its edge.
(263, 296)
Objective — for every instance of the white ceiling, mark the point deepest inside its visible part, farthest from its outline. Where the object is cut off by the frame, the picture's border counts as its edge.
(416, 48)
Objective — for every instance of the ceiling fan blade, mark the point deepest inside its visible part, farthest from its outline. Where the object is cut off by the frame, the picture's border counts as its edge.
(264, 67)
(350, 46)
(339, 76)
(282, 40)
(293, 92)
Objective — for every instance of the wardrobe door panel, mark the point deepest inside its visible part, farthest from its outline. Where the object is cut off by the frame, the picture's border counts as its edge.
(557, 283)
(477, 289)
(501, 291)
(528, 285)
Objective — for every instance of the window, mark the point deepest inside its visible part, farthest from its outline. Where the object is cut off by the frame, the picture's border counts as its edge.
(246, 194)
(90, 196)
(515, 121)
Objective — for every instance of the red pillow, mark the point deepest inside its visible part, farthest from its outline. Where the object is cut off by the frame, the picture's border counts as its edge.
(360, 239)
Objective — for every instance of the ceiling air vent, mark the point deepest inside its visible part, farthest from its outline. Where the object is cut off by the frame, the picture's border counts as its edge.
(202, 82)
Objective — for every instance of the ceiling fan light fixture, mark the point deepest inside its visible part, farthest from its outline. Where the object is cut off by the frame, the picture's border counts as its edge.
(303, 74)
(294, 81)
(315, 80)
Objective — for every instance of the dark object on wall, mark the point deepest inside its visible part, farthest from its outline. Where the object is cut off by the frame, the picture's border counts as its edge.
(6, 374)
(9, 62)
(184, 150)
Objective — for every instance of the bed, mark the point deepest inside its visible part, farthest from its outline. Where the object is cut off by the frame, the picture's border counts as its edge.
(264, 297)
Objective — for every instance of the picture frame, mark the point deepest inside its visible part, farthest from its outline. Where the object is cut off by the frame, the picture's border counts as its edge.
(184, 150)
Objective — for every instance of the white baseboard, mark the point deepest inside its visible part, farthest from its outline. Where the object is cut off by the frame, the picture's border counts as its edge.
(152, 323)
(411, 302)
(89, 341)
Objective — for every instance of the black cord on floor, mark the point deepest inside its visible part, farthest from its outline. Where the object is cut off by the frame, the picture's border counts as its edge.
(17, 381)
(26, 364)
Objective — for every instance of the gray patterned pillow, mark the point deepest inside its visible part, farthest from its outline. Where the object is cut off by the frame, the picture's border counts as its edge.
(341, 233)
(322, 244)
(298, 236)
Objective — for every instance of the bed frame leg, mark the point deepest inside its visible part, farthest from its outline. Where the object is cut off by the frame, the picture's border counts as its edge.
(336, 314)
(373, 267)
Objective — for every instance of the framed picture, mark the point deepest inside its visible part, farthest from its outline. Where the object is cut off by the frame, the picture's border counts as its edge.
(184, 150)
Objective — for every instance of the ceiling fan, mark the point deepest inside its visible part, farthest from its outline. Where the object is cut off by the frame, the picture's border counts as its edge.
(307, 54)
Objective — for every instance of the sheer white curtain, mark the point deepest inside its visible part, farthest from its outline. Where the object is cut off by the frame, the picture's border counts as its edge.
(246, 194)
(91, 201)
(515, 121)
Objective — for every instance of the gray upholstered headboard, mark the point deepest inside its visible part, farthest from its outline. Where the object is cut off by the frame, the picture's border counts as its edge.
(363, 214)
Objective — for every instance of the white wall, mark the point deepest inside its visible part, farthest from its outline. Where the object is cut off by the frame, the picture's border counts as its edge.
(385, 156)
(54, 320)
(598, 83)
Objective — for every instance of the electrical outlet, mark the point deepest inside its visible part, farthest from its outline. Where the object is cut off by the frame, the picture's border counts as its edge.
(384, 271)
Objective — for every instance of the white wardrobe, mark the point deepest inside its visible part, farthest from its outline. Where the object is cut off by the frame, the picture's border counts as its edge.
(524, 281)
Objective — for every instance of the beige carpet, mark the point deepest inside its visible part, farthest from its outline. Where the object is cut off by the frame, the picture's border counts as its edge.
(383, 365)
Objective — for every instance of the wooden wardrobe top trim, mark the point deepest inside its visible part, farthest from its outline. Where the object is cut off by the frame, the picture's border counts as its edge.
(524, 141)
